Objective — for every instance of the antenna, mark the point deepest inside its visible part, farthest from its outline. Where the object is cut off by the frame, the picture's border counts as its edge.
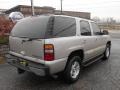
(32, 8)
(61, 6)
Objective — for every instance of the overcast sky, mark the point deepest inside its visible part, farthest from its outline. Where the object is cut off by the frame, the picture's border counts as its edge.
(100, 8)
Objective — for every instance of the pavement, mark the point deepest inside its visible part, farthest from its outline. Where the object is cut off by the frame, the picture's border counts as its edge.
(101, 75)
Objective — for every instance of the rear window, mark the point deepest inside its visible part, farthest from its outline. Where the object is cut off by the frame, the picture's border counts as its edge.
(45, 27)
(31, 27)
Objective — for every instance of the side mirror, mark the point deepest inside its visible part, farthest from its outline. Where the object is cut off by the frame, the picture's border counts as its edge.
(105, 32)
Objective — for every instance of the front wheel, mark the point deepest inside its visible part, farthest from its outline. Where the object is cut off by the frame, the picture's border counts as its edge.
(72, 71)
(107, 52)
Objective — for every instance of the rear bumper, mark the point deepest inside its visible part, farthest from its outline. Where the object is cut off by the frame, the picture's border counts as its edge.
(37, 68)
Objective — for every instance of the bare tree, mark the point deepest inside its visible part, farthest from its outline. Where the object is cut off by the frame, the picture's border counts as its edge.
(96, 19)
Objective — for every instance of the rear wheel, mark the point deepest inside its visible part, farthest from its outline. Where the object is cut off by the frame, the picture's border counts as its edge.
(107, 52)
(72, 71)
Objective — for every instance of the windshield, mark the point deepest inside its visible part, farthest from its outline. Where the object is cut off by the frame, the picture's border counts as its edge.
(31, 27)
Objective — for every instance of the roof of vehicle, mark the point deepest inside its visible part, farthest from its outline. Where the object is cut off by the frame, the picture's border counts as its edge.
(49, 15)
(62, 16)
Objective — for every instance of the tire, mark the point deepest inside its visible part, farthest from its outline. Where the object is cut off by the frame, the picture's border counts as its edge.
(72, 71)
(107, 52)
(20, 71)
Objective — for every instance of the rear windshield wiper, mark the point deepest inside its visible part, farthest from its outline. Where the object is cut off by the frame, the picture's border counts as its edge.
(28, 39)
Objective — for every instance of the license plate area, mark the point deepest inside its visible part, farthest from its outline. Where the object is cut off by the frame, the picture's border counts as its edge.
(23, 63)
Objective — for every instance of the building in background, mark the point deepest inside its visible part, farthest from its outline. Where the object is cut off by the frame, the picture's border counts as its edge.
(85, 15)
(2, 11)
(26, 11)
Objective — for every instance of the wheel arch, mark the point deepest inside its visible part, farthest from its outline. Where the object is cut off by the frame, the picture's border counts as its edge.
(79, 52)
(109, 42)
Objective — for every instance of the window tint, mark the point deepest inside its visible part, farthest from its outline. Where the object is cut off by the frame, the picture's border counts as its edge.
(64, 26)
(85, 28)
(45, 27)
(31, 27)
(96, 29)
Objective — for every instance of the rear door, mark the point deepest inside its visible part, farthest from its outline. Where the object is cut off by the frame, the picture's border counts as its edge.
(88, 39)
(33, 49)
(27, 37)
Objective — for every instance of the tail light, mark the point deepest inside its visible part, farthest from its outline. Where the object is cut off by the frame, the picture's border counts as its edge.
(48, 52)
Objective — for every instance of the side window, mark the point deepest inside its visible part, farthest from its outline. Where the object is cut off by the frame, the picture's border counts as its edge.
(64, 26)
(96, 29)
(85, 28)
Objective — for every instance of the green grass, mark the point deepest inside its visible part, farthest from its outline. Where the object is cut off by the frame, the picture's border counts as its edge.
(4, 40)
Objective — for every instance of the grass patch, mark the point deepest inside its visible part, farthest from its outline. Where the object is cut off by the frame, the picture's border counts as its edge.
(4, 40)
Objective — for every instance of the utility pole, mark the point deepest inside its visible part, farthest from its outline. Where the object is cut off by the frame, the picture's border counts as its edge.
(32, 8)
(61, 6)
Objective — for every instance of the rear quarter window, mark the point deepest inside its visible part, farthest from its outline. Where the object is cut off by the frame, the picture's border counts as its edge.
(64, 26)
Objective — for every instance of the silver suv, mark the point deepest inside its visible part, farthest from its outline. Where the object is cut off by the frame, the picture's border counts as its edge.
(55, 44)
